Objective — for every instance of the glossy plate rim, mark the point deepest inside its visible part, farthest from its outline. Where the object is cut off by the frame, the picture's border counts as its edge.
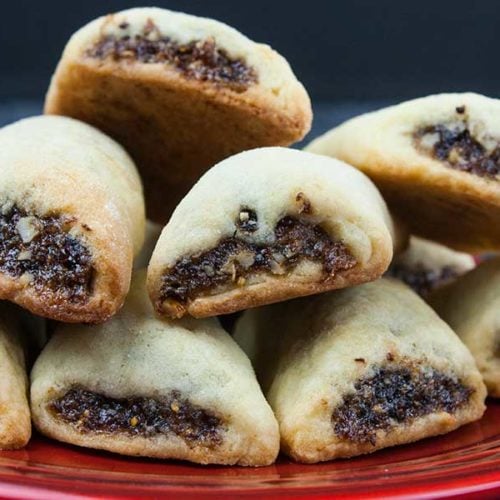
(465, 462)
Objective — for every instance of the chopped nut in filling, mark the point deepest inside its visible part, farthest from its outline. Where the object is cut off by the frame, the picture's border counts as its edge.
(395, 396)
(233, 259)
(199, 59)
(41, 249)
(422, 280)
(247, 221)
(89, 411)
(454, 144)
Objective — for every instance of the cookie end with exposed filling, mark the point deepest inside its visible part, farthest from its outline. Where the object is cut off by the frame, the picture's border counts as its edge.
(48, 266)
(239, 273)
(435, 160)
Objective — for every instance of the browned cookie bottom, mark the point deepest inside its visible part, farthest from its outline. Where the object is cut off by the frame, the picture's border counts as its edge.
(41, 249)
(395, 396)
(139, 416)
(234, 258)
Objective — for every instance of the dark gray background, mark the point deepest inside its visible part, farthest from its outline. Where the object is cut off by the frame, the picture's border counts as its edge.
(353, 55)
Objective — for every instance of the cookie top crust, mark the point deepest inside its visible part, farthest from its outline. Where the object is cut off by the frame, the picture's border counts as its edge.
(272, 183)
(201, 60)
(283, 223)
(256, 65)
(460, 131)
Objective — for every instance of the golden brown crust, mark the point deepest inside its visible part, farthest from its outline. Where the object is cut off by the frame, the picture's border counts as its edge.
(155, 448)
(436, 204)
(102, 304)
(270, 290)
(431, 425)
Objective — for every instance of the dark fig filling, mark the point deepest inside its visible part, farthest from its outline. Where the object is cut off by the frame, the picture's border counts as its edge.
(42, 249)
(455, 145)
(395, 396)
(200, 59)
(422, 280)
(234, 259)
(173, 414)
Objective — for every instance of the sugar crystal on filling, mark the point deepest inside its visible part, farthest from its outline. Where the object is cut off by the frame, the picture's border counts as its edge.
(42, 249)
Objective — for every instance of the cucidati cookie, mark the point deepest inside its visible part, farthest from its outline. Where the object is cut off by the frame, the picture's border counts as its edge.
(268, 225)
(436, 160)
(471, 306)
(426, 265)
(179, 92)
(71, 219)
(137, 385)
(15, 417)
(360, 369)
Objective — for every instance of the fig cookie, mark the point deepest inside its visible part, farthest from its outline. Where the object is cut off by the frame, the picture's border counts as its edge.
(360, 369)
(140, 386)
(179, 92)
(436, 161)
(268, 225)
(425, 265)
(71, 219)
(471, 306)
(15, 417)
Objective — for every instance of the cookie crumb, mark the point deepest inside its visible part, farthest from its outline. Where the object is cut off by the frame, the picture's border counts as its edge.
(304, 204)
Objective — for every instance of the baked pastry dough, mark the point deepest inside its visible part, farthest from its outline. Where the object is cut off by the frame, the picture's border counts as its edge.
(71, 219)
(179, 92)
(137, 385)
(15, 418)
(268, 225)
(471, 306)
(436, 161)
(356, 370)
(426, 265)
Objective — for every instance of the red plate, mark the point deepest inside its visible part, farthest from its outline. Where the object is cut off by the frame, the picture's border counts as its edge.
(464, 462)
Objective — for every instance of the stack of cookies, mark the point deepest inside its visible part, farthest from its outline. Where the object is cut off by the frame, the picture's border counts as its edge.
(320, 264)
